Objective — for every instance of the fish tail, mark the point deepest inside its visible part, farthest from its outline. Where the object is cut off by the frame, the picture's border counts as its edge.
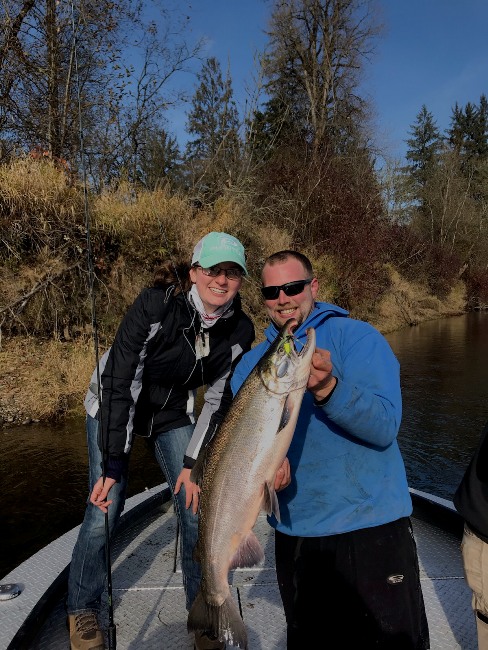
(223, 621)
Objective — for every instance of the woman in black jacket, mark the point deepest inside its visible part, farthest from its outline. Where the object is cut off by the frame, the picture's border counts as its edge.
(185, 332)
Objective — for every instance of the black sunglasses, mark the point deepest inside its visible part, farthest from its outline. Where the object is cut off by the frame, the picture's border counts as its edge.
(290, 289)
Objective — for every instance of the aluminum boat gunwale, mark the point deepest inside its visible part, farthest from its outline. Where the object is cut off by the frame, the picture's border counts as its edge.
(148, 596)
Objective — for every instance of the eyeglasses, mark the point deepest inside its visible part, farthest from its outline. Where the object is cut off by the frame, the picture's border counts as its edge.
(290, 289)
(234, 273)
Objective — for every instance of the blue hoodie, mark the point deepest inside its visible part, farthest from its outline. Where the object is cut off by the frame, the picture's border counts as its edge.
(347, 472)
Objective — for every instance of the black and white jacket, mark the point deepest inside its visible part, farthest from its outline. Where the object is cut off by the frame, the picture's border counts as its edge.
(160, 356)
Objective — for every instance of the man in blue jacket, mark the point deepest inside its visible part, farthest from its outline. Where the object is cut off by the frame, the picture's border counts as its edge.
(346, 558)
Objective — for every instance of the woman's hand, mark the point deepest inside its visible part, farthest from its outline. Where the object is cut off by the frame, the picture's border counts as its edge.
(192, 491)
(100, 492)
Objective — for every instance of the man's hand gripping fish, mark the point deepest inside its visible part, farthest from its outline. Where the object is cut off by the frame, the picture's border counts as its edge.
(237, 472)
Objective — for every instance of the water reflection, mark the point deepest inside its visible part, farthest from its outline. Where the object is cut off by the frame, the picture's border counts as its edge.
(444, 377)
(44, 485)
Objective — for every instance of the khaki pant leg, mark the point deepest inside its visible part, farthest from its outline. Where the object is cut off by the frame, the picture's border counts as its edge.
(482, 629)
(475, 559)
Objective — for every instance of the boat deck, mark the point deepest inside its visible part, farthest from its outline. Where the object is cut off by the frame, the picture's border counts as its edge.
(148, 596)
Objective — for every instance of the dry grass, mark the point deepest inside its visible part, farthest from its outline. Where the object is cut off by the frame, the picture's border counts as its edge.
(24, 182)
(407, 304)
(135, 217)
(38, 207)
(44, 380)
(46, 355)
(47, 380)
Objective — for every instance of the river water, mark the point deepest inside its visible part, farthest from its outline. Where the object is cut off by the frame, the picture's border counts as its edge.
(444, 374)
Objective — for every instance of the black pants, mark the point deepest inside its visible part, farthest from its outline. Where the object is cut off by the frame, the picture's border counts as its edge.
(355, 590)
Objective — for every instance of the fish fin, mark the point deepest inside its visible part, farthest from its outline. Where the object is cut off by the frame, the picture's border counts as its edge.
(224, 621)
(249, 553)
(270, 502)
(285, 416)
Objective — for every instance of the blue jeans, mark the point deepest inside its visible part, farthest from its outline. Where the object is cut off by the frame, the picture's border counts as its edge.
(87, 574)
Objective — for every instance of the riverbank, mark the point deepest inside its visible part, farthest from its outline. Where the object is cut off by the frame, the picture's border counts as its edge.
(43, 381)
(46, 380)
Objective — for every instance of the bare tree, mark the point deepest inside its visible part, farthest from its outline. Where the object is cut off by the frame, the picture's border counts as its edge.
(37, 69)
(11, 53)
(138, 107)
(326, 44)
(63, 61)
(452, 217)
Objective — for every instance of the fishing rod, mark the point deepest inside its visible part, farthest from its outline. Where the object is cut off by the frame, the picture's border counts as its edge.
(111, 632)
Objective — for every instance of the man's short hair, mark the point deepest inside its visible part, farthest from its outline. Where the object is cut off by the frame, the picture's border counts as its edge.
(283, 256)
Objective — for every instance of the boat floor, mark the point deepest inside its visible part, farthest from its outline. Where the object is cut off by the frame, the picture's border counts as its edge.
(149, 602)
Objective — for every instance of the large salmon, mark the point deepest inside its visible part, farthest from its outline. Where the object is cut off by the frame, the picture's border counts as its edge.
(236, 473)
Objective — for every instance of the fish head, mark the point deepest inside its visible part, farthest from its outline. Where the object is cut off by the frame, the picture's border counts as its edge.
(284, 368)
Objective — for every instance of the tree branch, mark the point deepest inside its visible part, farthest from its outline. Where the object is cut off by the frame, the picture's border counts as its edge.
(40, 285)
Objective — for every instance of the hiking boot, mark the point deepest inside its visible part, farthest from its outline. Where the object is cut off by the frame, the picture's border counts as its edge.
(84, 632)
(206, 641)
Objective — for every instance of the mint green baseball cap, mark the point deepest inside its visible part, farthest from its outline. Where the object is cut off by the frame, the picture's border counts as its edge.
(217, 247)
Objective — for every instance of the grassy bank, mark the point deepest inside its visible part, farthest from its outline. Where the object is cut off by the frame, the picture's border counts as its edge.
(46, 345)
(47, 380)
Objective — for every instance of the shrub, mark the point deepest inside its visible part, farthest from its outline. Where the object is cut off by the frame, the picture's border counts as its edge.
(476, 281)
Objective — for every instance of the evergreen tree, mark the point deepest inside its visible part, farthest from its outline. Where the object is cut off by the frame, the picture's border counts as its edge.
(483, 128)
(468, 132)
(161, 160)
(424, 148)
(468, 136)
(445, 182)
(455, 133)
(468, 129)
(214, 153)
(283, 118)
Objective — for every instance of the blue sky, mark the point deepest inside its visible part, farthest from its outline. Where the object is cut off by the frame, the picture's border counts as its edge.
(432, 52)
